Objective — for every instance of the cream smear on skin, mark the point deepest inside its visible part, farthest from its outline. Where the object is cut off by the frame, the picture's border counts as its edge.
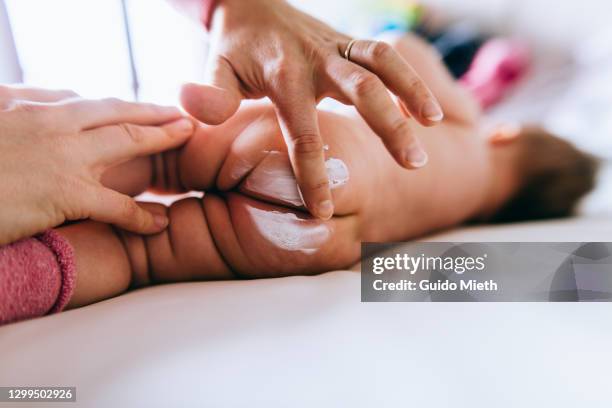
(289, 232)
(274, 178)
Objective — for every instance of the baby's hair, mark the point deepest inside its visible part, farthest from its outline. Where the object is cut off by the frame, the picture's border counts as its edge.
(555, 176)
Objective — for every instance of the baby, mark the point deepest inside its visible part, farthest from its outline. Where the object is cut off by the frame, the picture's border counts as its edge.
(251, 222)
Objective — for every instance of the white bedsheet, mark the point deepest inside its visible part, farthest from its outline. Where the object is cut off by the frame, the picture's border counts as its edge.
(309, 342)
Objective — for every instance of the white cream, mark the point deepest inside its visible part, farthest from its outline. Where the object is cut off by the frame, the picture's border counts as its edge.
(274, 178)
(288, 232)
(337, 173)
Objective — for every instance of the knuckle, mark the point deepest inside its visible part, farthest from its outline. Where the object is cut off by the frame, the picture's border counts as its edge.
(278, 69)
(283, 72)
(40, 117)
(364, 83)
(31, 108)
(379, 50)
(400, 128)
(308, 144)
(316, 52)
(414, 83)
(319, 185)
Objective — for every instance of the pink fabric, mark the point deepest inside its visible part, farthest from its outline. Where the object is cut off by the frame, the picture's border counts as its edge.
(207, 12)
(64, 254)
(497, 67)
(37, 277)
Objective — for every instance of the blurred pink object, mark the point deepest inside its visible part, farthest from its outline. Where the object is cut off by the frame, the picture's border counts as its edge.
(497, 67)
(37, 277)
(209, 8)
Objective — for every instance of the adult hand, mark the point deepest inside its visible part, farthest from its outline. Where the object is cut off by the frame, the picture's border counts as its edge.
(52, 155)
(268, 48)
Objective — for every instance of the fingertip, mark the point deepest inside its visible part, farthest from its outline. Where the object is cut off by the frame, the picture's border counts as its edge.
(321, 206)
(161, 222)
(181, 128)
(151, 223)
(432, 113)
(144, 221)
(209, 104)
(325, 210)
(412, 157)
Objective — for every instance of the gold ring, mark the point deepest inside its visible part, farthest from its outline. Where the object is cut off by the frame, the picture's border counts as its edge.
(349, 47)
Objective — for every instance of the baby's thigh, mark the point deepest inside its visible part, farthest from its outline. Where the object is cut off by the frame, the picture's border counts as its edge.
(201, 159)
(234, 236)
(258, 165)
(262, 240)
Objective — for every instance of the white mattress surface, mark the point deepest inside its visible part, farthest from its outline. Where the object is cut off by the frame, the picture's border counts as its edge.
(309, 341)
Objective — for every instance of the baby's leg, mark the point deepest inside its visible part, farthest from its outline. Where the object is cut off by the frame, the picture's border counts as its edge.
(102, 267)
(218, 237)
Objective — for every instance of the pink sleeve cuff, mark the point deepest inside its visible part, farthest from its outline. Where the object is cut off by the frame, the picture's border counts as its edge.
(37, 277)
(207, 12)
(64, 253)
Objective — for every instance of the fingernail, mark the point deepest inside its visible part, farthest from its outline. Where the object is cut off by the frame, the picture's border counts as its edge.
(416, 156)
(325, 209)
(185, 126)
(432, 112)
(161, 221)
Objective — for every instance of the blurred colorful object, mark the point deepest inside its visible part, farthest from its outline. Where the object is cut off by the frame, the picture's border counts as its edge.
(489, 68)
(457, 43)
(397, 15)
(497, 67)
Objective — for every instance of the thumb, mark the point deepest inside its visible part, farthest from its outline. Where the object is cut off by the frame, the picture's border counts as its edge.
(111, 207)
(214, 104)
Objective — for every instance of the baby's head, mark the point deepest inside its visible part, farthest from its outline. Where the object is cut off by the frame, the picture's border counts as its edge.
(550, 175)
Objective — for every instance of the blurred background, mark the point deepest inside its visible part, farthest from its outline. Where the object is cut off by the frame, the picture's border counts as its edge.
(143, 49)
